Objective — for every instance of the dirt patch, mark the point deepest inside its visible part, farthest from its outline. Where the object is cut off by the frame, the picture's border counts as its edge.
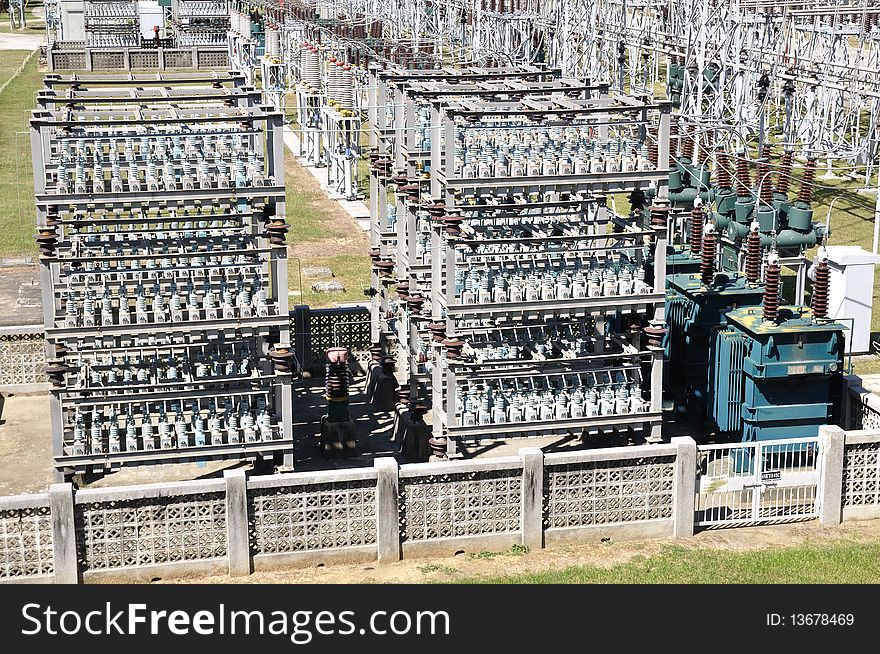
(25, 444)
(601, 554)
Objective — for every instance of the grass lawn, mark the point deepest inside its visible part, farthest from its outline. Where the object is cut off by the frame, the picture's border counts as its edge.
(322, 236)
(847, 563)
(17, 214)
(304, 211)
(353, 271)
(10, 62)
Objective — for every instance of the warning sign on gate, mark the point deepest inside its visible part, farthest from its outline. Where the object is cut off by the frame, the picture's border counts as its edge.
(771, 475)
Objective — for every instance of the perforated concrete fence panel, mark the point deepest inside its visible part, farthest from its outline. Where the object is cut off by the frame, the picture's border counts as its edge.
(861, 475)
(26, 539)
(144, 60)
(22, 359)
(610, 490)
(179, 59)
(862, 409)
(68, 61)
(317, 330)
(148, 526)
(209, 60)
(108, 60)
(236, 525)
(318, 512)
(474, 503)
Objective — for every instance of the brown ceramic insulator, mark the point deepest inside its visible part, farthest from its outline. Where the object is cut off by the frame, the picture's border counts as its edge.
(385, 267)
(707, 263)
(636, 199)
(821, 285)
(414, 303)
(47, 240)
(722, 170)
(276, 231)
(376, 352)
(697, 218)
(705, 149)
(418, 408)
(388, 363)
(453, 348)
(783, 180)
(435, 208)
(375, 255)
(765, 179)
(438, 447)
(337, 381)
(659, 215)
(743, 180)
(753, 257)
(55, 371)
(771, 292)
(687, 145)
(805, 194)
(653, 153)
(282, 359)
(453, 225)
(438, 331)
(654, 333)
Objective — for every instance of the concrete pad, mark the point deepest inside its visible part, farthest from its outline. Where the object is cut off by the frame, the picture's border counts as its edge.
(25, 444)
(20, 296)
(328, 287)
(317, 271)
(20, 41)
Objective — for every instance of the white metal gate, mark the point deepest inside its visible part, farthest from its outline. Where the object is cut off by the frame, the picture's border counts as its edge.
(763, 482)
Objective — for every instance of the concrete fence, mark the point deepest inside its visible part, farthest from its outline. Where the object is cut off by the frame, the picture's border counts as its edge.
(83, 58)
(237, 525)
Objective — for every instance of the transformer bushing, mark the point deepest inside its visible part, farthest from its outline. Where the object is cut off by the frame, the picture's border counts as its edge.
(164, 292)
(337, 427)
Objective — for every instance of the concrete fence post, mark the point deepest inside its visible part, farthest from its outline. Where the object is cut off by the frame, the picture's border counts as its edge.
(830, 486)
(238, 549)
(684, 486)
(532, 511)
(387, 518)
(61, 507)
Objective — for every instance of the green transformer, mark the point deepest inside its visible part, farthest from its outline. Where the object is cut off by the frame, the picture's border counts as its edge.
(776, 380)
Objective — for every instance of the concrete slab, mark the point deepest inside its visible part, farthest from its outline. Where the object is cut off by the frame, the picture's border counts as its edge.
(20, 41)
(328, 287)
(20, 296)
(317, 271)
(25, 444)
